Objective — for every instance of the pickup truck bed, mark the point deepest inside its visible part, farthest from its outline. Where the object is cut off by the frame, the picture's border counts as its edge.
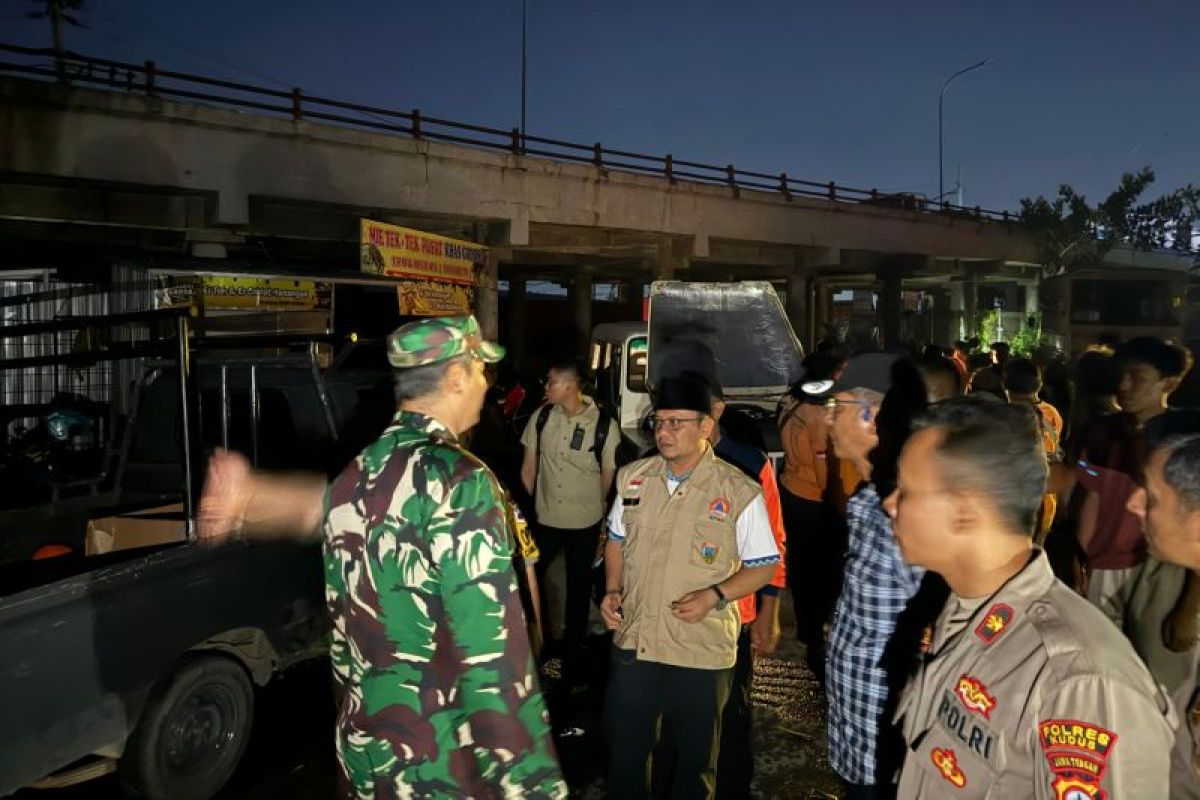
(86, 644)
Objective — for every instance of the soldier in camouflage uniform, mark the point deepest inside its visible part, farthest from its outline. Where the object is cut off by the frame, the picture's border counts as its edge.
(438, 692)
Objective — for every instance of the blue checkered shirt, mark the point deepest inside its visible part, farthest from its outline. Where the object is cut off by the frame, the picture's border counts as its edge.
(877, 587)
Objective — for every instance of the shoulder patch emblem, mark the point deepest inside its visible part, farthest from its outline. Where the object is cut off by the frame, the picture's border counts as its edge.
(995, 622)
(1077, 753)
(947, 764)
(1077, 789)
(708, 552)
(1056, 734)
(718, 509)
(975, 696)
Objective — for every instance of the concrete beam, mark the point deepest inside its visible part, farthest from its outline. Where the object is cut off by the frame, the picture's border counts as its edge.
(72, 133)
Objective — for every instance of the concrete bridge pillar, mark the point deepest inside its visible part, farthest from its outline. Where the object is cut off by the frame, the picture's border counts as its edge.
(579, 294)
(634, 296)
(798, 308)
(517, 310)
(487, 298)
(970, 299)
(943, 323)
(891, 306)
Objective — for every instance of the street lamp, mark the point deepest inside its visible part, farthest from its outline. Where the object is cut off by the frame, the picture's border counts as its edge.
(524, 33)
(941, 96)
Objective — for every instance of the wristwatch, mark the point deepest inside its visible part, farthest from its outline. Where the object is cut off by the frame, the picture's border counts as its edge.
(722, 600)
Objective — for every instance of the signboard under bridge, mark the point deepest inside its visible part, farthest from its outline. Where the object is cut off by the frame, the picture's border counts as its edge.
(439, 273)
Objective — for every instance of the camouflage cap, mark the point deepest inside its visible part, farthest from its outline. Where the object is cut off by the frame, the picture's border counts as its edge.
(428, 341)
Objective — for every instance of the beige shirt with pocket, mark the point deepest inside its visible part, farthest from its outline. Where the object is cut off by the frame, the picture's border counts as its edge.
(567, 490)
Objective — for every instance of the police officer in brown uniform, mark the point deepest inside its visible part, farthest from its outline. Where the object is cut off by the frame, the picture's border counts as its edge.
(687, 536)
(1024, 689)
(1168, 506)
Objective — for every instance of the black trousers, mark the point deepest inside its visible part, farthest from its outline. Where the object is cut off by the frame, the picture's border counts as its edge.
(646, 698)
(859, 791)
(735, 761)
(816, 544)
(735, 765)
(579, 551)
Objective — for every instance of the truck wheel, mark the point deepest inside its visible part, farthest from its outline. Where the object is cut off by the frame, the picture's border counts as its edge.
(191, 734)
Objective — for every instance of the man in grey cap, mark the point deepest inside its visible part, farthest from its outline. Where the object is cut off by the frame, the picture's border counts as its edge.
(687, 537)
(437, 690)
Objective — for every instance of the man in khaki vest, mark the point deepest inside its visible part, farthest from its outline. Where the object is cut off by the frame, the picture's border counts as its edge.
(1024, 689)
(687, 536)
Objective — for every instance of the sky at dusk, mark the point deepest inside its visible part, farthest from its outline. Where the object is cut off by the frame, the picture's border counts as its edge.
(1078, 91)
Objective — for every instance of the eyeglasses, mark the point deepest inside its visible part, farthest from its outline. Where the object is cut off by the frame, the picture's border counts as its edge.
(671, 423)
(831, 405)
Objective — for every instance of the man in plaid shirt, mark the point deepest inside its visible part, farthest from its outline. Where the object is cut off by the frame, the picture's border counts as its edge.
(876, 589)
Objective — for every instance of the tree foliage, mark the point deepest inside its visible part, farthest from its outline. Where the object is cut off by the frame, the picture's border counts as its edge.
(1068, 230)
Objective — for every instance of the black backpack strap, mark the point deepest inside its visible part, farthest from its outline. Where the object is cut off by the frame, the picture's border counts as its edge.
(602, 426)
(542, 418)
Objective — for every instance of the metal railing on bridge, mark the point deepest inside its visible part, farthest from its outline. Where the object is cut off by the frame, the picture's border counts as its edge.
(149, 80)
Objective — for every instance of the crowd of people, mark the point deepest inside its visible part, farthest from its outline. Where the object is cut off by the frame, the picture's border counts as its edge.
(991, 562)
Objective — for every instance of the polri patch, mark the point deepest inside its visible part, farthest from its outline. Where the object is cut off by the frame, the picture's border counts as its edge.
(718, 509)
(975, 696)
(996, 621)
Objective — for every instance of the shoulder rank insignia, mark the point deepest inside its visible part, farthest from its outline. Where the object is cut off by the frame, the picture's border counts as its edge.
(995, 622)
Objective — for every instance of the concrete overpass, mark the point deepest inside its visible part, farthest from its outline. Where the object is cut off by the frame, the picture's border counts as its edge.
(217, 182)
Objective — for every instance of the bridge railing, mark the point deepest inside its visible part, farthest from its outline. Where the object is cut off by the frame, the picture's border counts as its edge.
(149, 80)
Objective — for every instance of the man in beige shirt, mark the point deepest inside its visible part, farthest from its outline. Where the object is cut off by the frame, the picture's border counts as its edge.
(1024, 689)
(569, 482)
(687, 536)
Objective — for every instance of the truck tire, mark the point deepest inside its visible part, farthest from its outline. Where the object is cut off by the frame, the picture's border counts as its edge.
(191, 734)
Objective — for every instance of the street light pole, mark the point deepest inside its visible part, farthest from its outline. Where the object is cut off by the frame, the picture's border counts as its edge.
(523, 38)
(941, 97)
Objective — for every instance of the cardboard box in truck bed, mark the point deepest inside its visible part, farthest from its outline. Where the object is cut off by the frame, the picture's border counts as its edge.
(145, 528)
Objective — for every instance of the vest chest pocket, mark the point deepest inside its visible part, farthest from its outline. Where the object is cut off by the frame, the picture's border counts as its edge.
(712, 545)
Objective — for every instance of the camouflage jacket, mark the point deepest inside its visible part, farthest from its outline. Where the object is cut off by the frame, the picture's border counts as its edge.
(438, 696)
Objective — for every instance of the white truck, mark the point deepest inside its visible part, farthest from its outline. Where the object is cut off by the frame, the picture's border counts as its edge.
(737, 331)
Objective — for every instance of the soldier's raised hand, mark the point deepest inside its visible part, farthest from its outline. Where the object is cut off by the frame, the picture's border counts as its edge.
(227, 492)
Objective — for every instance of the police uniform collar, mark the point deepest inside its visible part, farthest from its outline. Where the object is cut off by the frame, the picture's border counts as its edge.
(1006, 608)
(416, 421)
